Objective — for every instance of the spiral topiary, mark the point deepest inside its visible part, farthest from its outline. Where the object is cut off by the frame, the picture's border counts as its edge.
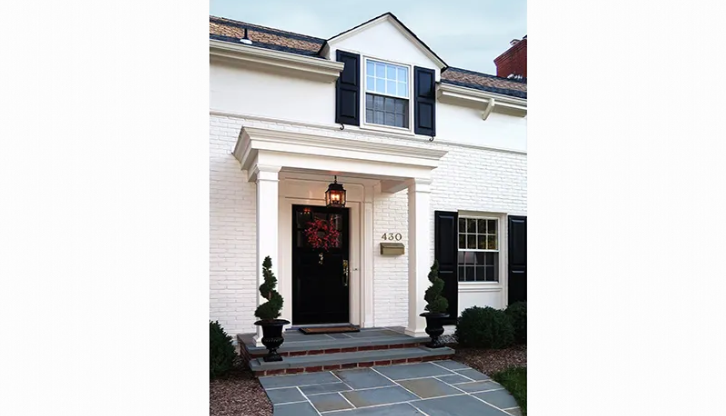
(271, 309)
(435, 302)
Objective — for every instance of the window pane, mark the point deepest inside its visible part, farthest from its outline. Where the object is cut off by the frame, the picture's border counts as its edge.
(490, 258)
(480, 274)
(482, 226)
(391, 87)
(481, 241)
(399, 107)
(402, 74)
(462, 240)
(369, 68)
(490, 274)
(390, 120)
(460, 259)
(496, 268)
(369, 116)
(380, 70)
(492, 226)
(402, 90)
(471, 241)
(370, 84)
(391, 72)
(380, 85)
(469, 257)
(369, 101)
(462, 225)
(492, 242)
(378, 103)
(479, 258)
(461, 276)
(399, 121)
(388, 104)
(471, 226)
(470, 274)
(378, 117)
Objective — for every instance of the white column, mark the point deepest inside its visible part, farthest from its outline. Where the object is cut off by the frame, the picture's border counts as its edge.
(368, 251)
(267, 223)
(419, 252)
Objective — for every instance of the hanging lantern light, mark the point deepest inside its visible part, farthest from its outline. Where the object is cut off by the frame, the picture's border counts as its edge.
(335, 195)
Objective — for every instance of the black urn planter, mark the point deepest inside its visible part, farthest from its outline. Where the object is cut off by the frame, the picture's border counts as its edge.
(435, 327)
(272, 337)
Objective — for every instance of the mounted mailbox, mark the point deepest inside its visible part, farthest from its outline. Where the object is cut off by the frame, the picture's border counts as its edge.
(392, 249)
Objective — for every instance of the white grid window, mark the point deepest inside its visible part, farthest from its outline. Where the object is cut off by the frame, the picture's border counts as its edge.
(387, 96)
(478, 249)
(386, 79)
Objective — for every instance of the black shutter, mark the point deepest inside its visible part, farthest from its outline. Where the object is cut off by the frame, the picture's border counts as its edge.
(446, 251)
(517, 259)
(424, 113)
(347, 90)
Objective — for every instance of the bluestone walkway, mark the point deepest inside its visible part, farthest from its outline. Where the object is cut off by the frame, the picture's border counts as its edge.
(436, 388)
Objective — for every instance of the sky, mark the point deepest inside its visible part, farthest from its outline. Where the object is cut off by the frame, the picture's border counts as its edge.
(467, 34)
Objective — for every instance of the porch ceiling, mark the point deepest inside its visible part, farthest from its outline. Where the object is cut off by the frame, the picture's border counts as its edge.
(333, 153)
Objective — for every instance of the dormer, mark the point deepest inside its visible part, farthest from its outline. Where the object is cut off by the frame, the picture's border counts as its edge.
(389, 79)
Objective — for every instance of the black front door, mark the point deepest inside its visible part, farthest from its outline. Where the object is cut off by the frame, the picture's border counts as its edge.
(320, 279)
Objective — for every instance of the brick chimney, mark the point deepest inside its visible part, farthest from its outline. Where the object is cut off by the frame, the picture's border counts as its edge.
(514, 61)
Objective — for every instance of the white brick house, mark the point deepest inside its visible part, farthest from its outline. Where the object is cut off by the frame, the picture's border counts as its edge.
(431, 156)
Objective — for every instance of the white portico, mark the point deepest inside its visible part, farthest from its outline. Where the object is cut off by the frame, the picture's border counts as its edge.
(304, 162)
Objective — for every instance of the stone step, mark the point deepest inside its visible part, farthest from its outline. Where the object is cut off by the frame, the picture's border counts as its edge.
(299, 344)
(344, 360)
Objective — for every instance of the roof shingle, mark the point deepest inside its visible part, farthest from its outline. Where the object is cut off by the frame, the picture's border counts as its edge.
(484, 82)
(269, 38)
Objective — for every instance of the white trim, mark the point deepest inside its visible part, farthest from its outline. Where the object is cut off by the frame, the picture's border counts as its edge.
(486, 101)
(387, 17)
(290, 196)
(382, 127)
(502, 285)
(316, 68)
(372, 132)
(333, 153)
(483, 96)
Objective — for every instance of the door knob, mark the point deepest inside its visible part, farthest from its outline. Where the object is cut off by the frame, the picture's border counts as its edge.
(345, 273)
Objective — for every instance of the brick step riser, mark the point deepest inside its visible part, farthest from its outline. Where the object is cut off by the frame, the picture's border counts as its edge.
(335, 350)
(316, 369)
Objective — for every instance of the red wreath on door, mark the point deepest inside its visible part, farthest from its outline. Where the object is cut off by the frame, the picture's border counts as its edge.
(322, 234)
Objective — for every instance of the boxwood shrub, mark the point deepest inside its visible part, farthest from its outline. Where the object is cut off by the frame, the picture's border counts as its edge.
(221, 350)
(484, 328)
(517, 313)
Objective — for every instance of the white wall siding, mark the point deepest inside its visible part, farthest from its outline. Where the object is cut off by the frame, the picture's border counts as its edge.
(232, 234)
(390, 274)
(234, 89)
(465, 125)
(385, 41)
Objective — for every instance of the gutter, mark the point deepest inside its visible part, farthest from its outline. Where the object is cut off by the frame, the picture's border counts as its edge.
(478, 98)
(321, 69)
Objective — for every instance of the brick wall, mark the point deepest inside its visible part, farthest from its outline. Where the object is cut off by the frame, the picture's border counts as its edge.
(232, 235)
(467, 179)
(513, 61)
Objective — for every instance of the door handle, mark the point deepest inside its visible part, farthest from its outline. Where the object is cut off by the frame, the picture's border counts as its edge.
(345, 273)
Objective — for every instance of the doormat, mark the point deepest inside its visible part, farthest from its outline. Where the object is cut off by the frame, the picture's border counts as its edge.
(329, 329)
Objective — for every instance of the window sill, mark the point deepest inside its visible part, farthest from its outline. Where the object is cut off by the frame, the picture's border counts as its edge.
(480, 287)
(386, 129)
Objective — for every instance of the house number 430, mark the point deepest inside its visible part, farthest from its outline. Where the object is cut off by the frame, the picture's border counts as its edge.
(391, 236)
